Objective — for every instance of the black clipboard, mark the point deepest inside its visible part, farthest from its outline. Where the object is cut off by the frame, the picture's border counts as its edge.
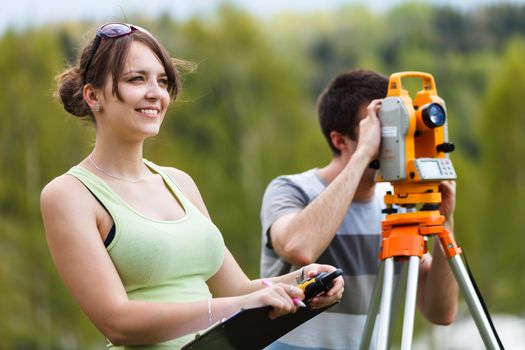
(250, 329)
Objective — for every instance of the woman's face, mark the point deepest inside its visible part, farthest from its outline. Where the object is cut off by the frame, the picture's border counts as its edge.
(145, 98)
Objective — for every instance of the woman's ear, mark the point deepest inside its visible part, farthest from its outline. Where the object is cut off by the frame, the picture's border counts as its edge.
(91, 97)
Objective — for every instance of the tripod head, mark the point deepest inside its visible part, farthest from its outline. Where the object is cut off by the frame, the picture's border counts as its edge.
(414, 142)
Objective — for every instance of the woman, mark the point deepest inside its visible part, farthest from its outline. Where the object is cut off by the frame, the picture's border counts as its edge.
(132, 240)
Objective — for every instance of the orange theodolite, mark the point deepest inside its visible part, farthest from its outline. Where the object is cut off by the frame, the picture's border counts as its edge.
(413, 157)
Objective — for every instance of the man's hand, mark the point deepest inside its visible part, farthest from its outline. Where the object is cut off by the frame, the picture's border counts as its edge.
(448, 198)
(370, 131)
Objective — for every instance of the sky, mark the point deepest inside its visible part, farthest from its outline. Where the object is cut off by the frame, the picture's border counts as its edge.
(23, 13)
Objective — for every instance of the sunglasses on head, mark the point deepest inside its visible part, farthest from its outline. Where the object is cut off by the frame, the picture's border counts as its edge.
(109, 30)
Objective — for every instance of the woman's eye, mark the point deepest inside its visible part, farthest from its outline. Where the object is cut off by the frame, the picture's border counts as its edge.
(136, 78)
(163, 81)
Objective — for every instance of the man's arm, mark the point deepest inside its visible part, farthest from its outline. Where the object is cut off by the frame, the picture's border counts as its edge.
(300, 238)
(438, 290)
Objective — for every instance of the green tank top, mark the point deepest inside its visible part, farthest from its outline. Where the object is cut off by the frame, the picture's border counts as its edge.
(160, 261)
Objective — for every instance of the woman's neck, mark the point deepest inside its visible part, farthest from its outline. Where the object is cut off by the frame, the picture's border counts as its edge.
(119, 161)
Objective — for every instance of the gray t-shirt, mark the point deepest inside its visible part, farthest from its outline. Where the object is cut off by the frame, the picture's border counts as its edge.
(355, 249)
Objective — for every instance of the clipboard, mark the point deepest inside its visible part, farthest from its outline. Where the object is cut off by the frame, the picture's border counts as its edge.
(250, 329)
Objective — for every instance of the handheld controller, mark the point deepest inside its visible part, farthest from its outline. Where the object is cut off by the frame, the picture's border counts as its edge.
(321, 283)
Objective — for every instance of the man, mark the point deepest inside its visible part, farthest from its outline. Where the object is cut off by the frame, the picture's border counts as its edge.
(332, 215)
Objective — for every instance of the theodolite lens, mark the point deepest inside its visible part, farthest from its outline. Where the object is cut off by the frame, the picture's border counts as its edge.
(433, 115)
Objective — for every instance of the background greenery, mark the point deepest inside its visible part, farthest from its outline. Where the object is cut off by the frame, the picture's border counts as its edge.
(247, 115)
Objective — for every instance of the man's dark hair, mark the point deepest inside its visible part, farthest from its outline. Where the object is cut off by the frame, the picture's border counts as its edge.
(339, 103)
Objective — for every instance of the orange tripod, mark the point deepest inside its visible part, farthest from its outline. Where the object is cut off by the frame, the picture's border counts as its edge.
(404, 237)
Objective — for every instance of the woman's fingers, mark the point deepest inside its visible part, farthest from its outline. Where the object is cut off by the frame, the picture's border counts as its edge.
(283, 298)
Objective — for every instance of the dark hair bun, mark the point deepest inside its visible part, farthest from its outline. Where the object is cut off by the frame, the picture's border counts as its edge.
(70, 93)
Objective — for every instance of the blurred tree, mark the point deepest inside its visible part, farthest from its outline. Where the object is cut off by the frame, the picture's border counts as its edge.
(34, 145)
(503, 149)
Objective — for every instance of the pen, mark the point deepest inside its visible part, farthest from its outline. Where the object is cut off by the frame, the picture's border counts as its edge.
(296, 300)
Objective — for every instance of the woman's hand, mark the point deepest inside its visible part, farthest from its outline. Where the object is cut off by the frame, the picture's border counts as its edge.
(281, 297)
(284, 298)
(331, 296)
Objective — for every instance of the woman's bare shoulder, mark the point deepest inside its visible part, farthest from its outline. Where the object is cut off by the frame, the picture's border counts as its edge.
(61, 187)
(64, 192)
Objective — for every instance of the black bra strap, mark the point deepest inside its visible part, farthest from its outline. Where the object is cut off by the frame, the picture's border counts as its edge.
(111, 233)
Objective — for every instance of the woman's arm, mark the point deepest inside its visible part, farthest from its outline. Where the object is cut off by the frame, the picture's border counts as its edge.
(230, 280)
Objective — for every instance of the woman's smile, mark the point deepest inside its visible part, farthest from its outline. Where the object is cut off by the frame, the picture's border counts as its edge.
(149, 112)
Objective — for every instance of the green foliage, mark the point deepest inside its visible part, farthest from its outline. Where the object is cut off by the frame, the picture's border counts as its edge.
(36, 145)
(504, 175)
(246, 115)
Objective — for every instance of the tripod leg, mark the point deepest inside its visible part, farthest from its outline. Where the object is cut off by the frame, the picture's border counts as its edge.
(372, 310)
(399, 295)
(386, 304)
(474, 305)
(410, 303)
